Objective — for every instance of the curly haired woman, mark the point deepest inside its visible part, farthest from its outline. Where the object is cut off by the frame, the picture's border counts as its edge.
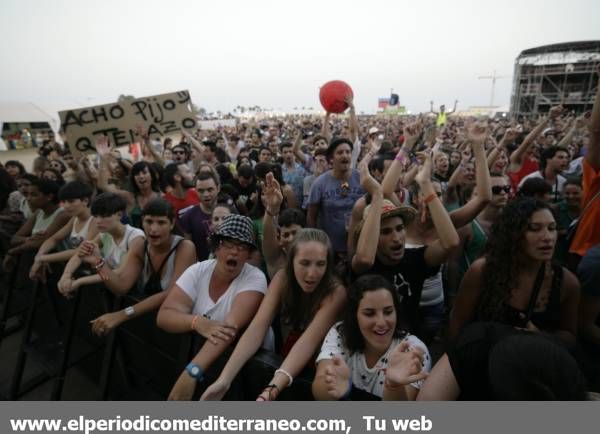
(516, 282)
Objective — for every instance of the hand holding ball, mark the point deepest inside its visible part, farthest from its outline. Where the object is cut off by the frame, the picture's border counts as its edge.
(333, 95)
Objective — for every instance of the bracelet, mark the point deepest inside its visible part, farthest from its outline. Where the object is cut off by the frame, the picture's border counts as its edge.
(194, 321)
(287, 374)
(99, 264)
(430, 198)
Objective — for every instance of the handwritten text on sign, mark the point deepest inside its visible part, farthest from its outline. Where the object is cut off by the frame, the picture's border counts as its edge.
(159, 115)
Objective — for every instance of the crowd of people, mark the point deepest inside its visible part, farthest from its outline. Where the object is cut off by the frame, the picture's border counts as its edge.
(425, 257)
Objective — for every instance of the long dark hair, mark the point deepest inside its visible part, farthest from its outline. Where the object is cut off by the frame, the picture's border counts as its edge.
(298, 306)
(349, 329)
(139, 167)
(502, 253)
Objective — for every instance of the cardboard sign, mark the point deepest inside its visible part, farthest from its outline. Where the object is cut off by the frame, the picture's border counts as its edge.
(160, 115)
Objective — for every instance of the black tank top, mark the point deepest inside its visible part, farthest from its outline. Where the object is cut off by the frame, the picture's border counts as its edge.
(548, 319)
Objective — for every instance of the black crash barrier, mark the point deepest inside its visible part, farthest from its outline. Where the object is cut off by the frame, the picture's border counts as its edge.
(153, 358)
(56, 335)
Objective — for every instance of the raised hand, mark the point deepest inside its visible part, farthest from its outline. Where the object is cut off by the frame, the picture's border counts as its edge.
(337, 378)
(273, 195)
(555, 111)
(477, 133)
(349, 99)
(510, 135)
(102, 146)
(367, 182)
(411, 134)
(424, 174)
(405, 365)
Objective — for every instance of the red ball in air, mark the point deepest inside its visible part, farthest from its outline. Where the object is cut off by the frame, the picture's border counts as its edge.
(332, 96)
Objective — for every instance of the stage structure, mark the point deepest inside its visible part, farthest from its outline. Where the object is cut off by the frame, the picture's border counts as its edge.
(554, 74)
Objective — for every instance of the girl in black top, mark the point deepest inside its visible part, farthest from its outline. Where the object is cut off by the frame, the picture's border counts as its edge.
(515, 283)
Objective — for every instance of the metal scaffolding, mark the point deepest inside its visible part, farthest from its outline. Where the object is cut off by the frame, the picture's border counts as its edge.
(555, 74)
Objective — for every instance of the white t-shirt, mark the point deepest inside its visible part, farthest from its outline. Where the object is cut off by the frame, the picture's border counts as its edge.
(195, 282)
(114, 253)
(557, 187)
(196, 279)
(365, 378)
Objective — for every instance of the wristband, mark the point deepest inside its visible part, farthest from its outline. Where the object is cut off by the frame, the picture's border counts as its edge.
(430, 198)
(287, 374)
(195, 371)
(99, 264)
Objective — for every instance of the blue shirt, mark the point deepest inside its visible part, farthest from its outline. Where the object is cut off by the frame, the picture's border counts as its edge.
(335, 205)
(295, 179)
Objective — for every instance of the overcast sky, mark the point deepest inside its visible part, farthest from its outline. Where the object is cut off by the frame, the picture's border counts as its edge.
(276, 53)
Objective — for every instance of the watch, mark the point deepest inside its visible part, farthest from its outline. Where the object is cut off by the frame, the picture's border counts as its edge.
(129, 310)
(195, 371)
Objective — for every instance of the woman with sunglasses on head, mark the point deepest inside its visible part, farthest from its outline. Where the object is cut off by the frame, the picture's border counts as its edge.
(515, 282)
(215, 299)
(309, 299)
(368, 355)
(144, 183)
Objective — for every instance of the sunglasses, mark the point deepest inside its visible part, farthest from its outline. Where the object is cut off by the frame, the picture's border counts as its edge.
(497, 189)
(233, 245)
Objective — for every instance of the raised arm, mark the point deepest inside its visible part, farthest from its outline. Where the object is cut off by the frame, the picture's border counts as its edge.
(104, 152)
(271, 249)
(593, 154)
(454, 108)
(296, 149)
(325, 131)
(568, 137)
(195, 143)
(144, 142)
(401, 162)
(353, 120)
(438, 251)
(366, 247)
(509, 136)
(516, 158)
(431, 108)
(477, 134)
